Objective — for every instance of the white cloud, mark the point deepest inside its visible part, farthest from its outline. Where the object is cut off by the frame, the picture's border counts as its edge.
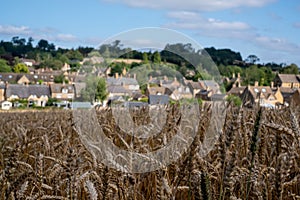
(277, 44)
(203, 5)
(14, 30)
(65, 37)
(207, 26)
(47, 33)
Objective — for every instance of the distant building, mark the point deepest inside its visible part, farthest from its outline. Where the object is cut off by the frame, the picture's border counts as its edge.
(6, 105)
(63, 92)
(21, 78)
(37, 94)
(236, 91)
(28, 62)
(66, 67)
(295, 98)
(158, 99)
(80, 105)
(287, 81)
(128, 83)
(117, 91)
(195, 87)
(263, 95)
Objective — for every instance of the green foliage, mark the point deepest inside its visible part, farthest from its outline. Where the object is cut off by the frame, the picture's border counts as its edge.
(291, 69)
(60, 79)
(145, 58)
(117, 67)
(4, 67)
(252, 59)
(223, 56)
(235, 100)
(156, 57)
(95, 89)
(101, 92)
(44, 45)
(52, 64)
(51, 101)
(20, 68)
(74, 55)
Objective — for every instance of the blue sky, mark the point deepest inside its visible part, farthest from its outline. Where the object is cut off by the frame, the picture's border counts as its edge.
(269, 29)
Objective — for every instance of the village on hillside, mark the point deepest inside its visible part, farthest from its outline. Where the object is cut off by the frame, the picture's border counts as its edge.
(45, 76)
(38, 89)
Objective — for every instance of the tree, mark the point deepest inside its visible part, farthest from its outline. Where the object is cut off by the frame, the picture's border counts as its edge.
(43, 44)
(20, 68)
(252, 59)
(145, 58)
(4, 67)
(291, 69)
(60, 79)
(101, 92)
(74, 55)
(235, 100)
(95, 89)
(156, 57)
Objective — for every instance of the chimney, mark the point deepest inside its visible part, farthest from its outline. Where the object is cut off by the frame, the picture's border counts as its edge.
(272, 84)
(256, 84)
(134, 76)
(239, 75)
(116, 75)
(233, 75)
(150, 78)
(160, 82)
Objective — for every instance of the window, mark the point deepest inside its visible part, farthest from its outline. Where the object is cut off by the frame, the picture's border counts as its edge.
(64, 90)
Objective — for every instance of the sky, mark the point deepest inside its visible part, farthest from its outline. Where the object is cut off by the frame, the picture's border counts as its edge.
(269, 29)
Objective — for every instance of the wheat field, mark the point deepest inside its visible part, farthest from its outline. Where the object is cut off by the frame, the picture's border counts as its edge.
(255, 157)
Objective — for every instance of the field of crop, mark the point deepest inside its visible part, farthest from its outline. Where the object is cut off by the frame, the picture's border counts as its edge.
(257, 156)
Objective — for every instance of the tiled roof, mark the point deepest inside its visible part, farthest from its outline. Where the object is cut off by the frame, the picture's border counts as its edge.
(57, 88)
(156, 90)
(24, 91)
(117, 89)
(218, 97)
(289, 78)
(212, 85)
(14, 77)
(79, 87)
(158, 99)
(75, 105)
(196, 85)
(236, 90)
(133, 104)
(121, 81)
